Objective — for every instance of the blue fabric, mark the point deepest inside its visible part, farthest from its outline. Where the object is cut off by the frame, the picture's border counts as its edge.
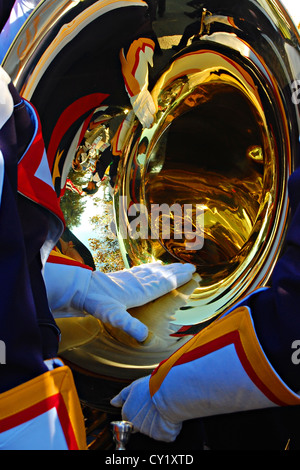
(20, 267)
(276, 311)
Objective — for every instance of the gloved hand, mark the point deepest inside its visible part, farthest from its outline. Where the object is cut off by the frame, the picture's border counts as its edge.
(140, 410)
(110, 295)
(144, 107)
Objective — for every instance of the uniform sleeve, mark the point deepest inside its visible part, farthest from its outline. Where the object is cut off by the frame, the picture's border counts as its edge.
(19, 330)
(275, 311)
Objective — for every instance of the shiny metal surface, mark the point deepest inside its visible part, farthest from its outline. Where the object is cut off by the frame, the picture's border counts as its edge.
(225, 137)
(121, 431)
(25, 52)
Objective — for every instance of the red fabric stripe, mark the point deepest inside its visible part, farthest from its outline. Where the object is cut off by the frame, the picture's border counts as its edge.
(230, 338)
(55, 401)
(67, 261)
(28, 184)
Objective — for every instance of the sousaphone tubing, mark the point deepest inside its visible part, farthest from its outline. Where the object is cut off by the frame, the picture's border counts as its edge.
(224, 141)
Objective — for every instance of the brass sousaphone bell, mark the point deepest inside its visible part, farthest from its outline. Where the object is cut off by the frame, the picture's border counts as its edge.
(225, 140)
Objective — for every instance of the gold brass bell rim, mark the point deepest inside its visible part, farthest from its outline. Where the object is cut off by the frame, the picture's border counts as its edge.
(207, 74)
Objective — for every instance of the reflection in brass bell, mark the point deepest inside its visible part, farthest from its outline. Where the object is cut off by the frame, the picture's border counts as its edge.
(121, 432)
(213, 145)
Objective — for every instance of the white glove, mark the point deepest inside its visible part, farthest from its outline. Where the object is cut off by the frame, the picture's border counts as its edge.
(144, 107)
(140, 410)
(110, 295)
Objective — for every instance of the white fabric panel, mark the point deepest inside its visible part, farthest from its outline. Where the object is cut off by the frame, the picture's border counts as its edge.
(41, 433)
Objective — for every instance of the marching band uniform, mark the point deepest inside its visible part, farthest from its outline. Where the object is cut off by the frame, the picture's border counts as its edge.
(248, 359)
